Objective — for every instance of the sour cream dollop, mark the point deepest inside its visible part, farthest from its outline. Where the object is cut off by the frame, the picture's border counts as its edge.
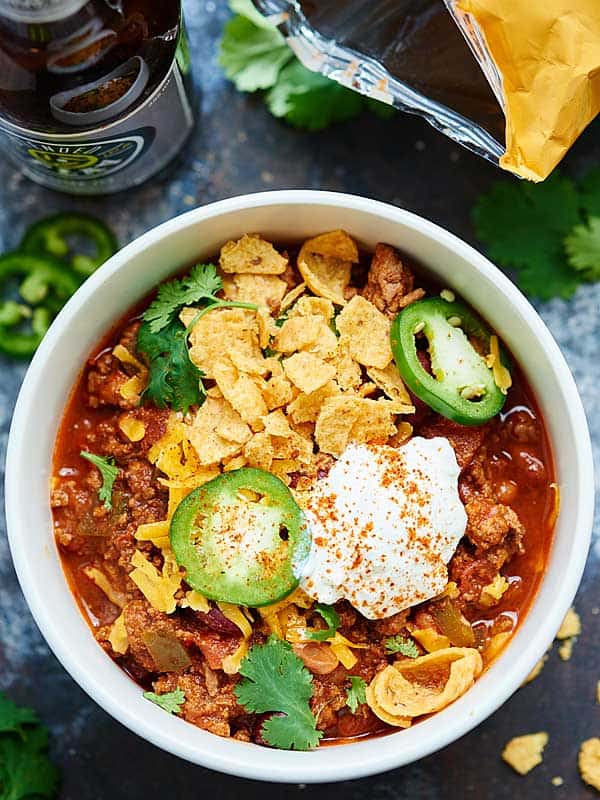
(385, 522)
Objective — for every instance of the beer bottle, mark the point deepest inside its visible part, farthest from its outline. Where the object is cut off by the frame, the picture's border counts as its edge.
(95, 95)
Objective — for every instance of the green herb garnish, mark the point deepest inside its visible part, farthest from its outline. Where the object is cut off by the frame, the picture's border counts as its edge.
(255, 56)
(170, 701)
(109, 473)
(548, 233)
(332, 619)
(402, 645)
(25, 770)
(173, 379)
(276, 680)
(356, 694)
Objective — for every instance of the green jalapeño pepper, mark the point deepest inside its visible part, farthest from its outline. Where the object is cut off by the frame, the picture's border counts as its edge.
(241, 538)
(46, 286)
(52, 236)
(461, 386)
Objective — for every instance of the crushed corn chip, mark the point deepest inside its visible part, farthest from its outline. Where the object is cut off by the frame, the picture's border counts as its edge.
(258, 452)
(352, 419)
(308, 372)
(278, 392)
(260, 290)
(306, 407)
(396, 699)
(523, 753)
(495, 646)
(215, 420)
(365, 331)
(134, 429)
(589, 762)
(291, 297)
(392, 385)
(571, 625)
(241, 392)
(536, 670)
(157, 587)
(325, 263)
(313, 306)
(132, 388)
(251, 254)
(238, 327)
(118, 639)
(348, 373)
(565, 651)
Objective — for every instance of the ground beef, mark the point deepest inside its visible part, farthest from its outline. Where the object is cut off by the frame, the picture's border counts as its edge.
(104, 383)
(490, 523)
(141, 619)
(208, 710)
(390, 282)
(465, 440)
(471, 574)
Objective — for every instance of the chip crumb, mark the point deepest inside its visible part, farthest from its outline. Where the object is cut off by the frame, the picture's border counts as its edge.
(523, 753)
(557, 781)
(565, 651)
(589, 762)
(536, 670)
(571, 625)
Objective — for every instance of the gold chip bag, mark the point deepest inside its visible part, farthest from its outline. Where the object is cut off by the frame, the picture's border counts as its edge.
(515, 81)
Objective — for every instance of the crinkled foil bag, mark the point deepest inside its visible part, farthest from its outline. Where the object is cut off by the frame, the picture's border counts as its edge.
(516, 81)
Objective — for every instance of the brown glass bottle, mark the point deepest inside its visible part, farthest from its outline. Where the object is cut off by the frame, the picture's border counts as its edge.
(94, 94)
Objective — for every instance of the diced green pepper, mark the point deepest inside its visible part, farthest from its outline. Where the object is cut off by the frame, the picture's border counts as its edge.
(241, 538)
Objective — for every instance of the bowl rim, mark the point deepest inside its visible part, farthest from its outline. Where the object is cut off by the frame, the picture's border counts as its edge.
(238, 758)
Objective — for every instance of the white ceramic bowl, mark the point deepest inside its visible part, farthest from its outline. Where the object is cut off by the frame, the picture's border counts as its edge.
(128, 276)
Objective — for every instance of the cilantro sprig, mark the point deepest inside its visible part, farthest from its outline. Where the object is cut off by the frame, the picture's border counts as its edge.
(170, 702)
(109, 472)
(256, 57)
(276, 680)
(356, 694)
(332, 619)
(547, 233)
(25, 770)
(174, 380)
(403, 645)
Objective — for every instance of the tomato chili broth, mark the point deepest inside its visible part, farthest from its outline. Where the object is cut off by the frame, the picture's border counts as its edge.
(526, 464)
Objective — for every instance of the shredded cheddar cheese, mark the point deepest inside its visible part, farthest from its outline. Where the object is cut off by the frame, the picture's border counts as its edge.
(132, 428)
(158, 588)
(119, 641)
(195, 601)
(133, 388)
(99, 578)
(502, 377)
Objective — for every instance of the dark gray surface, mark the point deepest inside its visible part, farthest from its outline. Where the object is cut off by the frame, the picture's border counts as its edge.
(239, 148)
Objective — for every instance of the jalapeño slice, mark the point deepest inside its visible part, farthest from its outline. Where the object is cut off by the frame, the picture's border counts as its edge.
(240, 538)
(462, 386)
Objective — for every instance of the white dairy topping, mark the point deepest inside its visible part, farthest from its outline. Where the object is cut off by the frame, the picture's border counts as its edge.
(384, 522)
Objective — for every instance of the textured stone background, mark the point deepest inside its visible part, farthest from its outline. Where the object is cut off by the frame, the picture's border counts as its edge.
(239, 148)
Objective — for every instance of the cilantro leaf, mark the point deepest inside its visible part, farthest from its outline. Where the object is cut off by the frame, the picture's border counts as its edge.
(25, 771)
(202, 283)
(523, 226)
(310, 100)
(583, 249)
(332, 619)
(170, 701)
(13, 718)
(276, 680)
(252, 51)
(589, 193)
(109, 473)
(402, 645)
(356, 694)
(255, 55)
(174, 380)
